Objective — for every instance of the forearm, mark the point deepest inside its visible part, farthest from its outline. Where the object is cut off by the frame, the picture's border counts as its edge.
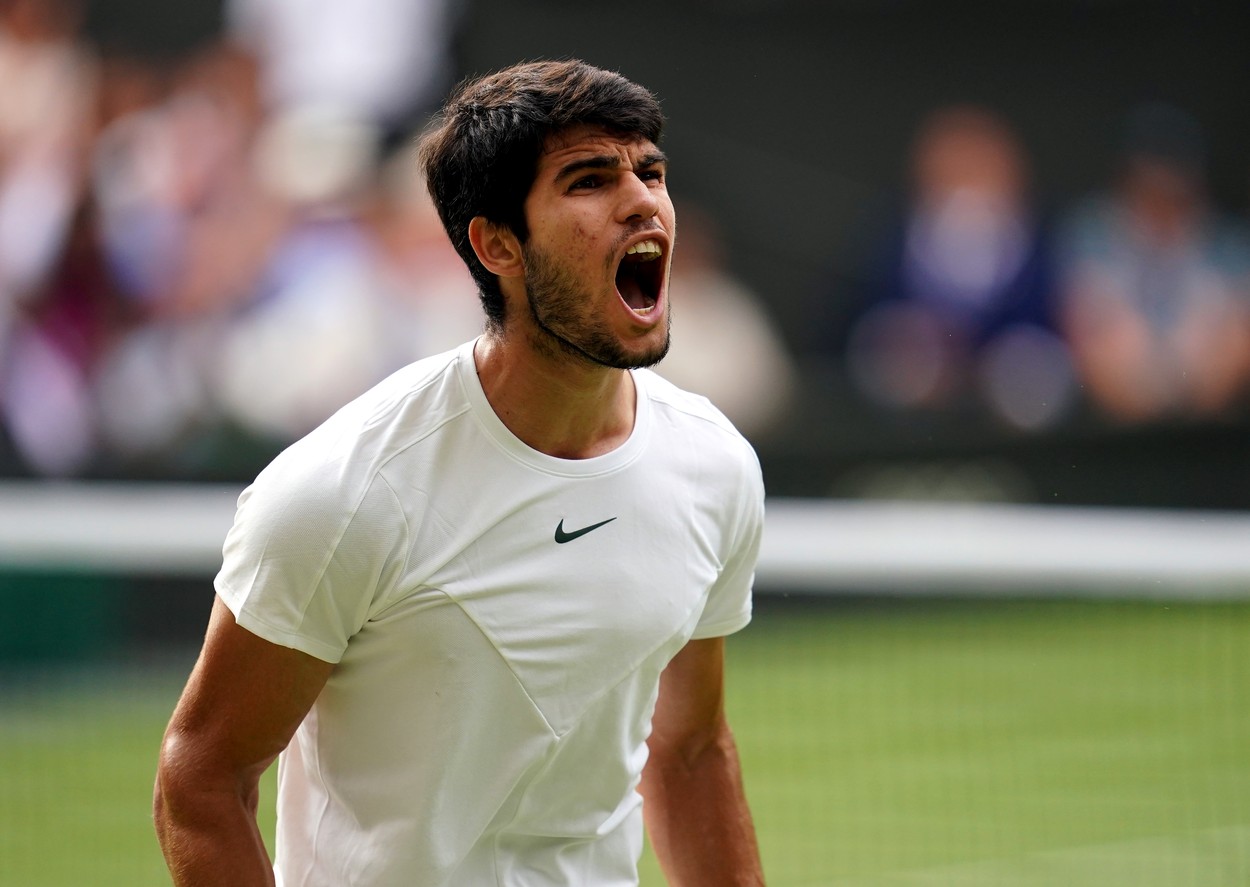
(244, 701)
(697, 817)
(209, 835)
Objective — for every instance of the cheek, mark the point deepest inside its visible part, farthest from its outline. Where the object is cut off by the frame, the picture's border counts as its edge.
(569, 236)
(584, 246)
(668, 216)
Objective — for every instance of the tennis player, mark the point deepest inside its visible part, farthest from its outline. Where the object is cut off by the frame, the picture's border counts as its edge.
(480, 612)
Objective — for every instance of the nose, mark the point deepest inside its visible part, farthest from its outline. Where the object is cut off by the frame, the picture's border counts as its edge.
(639, 200)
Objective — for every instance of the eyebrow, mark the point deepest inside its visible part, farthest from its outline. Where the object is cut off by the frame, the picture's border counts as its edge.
(609, 161)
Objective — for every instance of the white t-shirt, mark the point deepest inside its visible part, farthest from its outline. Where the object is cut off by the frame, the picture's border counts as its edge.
(500, 619)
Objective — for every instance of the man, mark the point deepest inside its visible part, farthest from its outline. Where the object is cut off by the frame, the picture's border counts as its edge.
(475, 603)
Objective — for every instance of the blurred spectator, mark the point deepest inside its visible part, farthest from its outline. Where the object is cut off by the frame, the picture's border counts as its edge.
(302, 346)
(429, 302)
(383, 63)
(725, 345)
(173, 165)
(361, 282)
(187, 229)
(957, 306)
(1156, 285)
(49, 77)
(54, 304)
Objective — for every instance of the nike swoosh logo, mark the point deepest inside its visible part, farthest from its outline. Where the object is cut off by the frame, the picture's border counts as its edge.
(562, 536)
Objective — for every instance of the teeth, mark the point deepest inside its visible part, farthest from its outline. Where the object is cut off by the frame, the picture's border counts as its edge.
(648, 249)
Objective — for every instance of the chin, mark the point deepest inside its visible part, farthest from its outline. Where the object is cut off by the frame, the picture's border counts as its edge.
(651, 355)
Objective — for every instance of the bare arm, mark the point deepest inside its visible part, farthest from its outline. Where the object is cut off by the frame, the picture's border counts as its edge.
(243, 702)
(694, 804)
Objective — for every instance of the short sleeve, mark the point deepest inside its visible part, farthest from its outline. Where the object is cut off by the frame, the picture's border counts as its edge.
(307, 556)
(729, 603)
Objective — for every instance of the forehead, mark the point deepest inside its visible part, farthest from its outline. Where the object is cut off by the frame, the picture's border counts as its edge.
(591, 141)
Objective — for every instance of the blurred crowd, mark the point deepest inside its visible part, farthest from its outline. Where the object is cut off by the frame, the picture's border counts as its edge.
(1132, 306)
(223, 248)
(215, 252)
(230, 240)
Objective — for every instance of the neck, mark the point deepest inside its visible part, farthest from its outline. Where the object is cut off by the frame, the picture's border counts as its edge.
(561, 407)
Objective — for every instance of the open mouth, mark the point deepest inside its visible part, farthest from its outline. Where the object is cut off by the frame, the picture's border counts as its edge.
(640, 276)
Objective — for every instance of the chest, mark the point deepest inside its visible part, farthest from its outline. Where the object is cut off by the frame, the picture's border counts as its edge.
(577, 585)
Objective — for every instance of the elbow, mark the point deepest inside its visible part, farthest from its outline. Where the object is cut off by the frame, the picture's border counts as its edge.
(169, 783)
(186, 781)
(695, 750)
(197, 779)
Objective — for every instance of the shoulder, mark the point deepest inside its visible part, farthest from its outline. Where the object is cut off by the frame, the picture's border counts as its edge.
(693, 410)
(693, 423)
(335, 466)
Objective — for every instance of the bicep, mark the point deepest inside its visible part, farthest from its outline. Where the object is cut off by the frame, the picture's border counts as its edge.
(244, 700)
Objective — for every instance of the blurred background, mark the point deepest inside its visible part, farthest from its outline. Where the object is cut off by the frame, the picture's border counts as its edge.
(955, 252)
(956, 249)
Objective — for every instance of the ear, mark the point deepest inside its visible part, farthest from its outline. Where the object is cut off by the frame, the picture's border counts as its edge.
(497, 247)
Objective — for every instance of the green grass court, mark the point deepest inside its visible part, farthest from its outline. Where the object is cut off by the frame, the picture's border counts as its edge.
(908, 743)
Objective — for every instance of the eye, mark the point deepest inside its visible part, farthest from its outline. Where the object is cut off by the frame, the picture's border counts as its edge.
(586, 183)
(652, 175)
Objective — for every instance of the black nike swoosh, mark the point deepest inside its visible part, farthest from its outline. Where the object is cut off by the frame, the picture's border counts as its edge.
(563, 537)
